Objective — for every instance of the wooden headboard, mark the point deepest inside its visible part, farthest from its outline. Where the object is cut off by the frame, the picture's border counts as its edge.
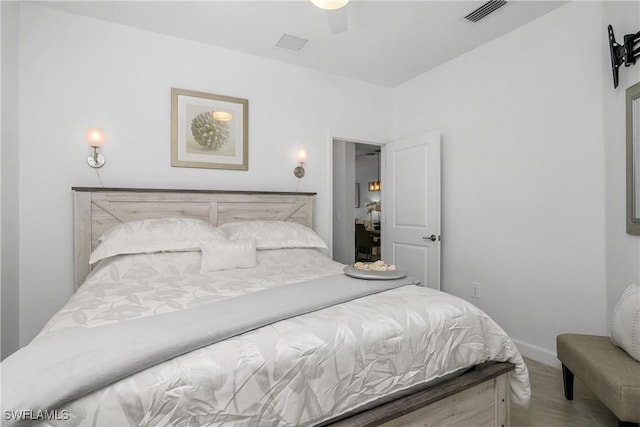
(95, 210)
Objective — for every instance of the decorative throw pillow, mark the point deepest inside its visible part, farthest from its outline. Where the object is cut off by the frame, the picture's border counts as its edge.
(154, 235)
(625, 322)
(274, 234)
(227, 254)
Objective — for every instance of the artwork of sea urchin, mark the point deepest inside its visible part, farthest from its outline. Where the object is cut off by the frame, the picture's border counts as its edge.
(210, 133)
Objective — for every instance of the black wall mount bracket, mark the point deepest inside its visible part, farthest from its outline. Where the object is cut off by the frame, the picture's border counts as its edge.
(626, 53)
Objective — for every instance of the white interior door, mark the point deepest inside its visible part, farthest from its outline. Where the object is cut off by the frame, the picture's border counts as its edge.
(411, 207)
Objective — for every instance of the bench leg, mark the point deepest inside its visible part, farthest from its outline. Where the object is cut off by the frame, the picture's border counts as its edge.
(626, 424)
(567, 378)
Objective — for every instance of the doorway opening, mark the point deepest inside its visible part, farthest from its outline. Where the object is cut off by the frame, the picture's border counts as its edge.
(357, 192)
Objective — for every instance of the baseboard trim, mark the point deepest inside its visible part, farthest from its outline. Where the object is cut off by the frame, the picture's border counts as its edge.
(539, 354)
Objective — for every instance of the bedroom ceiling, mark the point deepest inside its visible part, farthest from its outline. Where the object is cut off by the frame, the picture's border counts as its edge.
(387, 43)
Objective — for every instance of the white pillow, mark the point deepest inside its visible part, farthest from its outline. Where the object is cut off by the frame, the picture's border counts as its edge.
(227, 254)
(274, 234)
(154, 235)
(625, 322)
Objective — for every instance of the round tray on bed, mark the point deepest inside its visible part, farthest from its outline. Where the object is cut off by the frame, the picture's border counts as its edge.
(373, 275)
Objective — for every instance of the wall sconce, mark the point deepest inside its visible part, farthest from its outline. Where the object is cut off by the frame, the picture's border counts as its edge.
(301, 157)
(95, 139)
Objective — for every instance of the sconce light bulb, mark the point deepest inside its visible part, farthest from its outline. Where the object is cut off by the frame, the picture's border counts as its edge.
(302, 155)
(95, 138)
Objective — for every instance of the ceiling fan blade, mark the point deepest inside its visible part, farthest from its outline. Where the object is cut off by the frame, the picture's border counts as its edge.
(337, 20)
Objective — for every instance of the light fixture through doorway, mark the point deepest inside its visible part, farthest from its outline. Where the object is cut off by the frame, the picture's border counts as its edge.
(375, 185)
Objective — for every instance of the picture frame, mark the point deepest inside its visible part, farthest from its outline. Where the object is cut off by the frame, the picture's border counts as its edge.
(209, 130)
(633, 158)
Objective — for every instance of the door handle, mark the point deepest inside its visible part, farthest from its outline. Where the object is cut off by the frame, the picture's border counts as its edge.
(433, 238)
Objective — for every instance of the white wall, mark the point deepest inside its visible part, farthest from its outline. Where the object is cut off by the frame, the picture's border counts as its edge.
(9, 179)
(523, 197)
(623, 250)
(78, 72)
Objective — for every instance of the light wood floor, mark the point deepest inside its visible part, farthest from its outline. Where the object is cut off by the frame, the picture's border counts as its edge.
(549, 408)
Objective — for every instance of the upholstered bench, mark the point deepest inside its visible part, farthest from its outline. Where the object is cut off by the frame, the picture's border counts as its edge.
(610, 373)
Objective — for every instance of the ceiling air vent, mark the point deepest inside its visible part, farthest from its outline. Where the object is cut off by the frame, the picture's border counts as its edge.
(484, 10)
(291, 42)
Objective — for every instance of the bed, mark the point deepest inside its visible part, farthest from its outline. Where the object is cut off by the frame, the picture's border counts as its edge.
(374, 360)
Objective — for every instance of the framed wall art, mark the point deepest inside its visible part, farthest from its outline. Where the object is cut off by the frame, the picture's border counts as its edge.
(209, 131)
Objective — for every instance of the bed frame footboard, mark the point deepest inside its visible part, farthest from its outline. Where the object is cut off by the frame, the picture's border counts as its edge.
(477, 398)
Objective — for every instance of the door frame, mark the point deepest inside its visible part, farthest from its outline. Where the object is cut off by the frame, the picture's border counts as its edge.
(369, 141)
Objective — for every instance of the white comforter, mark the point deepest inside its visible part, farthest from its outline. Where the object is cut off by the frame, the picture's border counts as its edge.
(300, 371)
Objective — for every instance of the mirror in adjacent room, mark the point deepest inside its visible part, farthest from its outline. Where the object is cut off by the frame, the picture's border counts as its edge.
(633, 159)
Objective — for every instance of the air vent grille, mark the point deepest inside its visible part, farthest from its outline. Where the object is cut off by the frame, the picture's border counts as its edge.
(291, 42)
(484, 10)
